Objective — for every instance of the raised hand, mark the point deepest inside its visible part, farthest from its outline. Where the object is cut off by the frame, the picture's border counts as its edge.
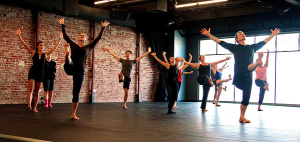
(61, 20)
(60, 35)
(105, 49)
(190, 54)
(153, 53)
(149, 49)
(276, 31)
(67, 48)
(105, 23)
(204, 31)
(182, 59)
(164, 53)
(228, 58)
(18, 31)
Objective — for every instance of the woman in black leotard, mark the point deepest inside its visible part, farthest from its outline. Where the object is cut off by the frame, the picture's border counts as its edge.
(36, 73)
(75, 63)
(244, 66)
(204, 76)
(172, 80)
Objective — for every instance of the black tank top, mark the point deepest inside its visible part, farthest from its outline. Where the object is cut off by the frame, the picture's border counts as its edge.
(38, 64)
(204, 69)
(173, 73)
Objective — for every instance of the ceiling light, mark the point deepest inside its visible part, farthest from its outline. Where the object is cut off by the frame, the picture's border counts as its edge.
(103, 1)
(199, 3)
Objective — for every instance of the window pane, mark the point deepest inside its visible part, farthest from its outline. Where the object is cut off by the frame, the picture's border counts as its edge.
(225, 95)
(287, 76)
(207, 47)
(269, 95)
(287, 42)
(222, 50)
(269, 46)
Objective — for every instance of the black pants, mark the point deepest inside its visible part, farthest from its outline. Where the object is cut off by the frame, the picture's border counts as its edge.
(203, 80)
(78, 76)
(173, 89)
(261, 84)
(246, 95)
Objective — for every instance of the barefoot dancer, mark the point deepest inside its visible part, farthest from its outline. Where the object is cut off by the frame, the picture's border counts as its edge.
(172, 80)
(218, 82)
(36, 73)
(49, 80)
(261, 79)
(204, 76)
(177, 60)
(243, 55)
(75, 63)
(126, 69)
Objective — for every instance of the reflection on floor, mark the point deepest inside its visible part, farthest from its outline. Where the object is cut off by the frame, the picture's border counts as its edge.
(149, 121)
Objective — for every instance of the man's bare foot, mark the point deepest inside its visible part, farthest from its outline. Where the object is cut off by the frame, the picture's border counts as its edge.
(204, 110)
(75, 117)
(242, 120)
(214, 102)
(210, 82)
(125, 107)
(218, 105)
(35, 110)
(225, 88)
(260, 109)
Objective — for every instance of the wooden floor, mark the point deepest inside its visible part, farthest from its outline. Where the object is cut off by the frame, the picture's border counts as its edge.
(149, 121)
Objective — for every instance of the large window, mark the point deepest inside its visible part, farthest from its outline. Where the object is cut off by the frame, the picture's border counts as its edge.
(282, 76)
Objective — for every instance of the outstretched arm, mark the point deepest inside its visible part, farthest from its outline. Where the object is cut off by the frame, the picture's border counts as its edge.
(166, 65)
(207, 33)
(93, 44)
(139, 58)
(185, 66)
(165, 58)
(220, 61)
(49, 52)
(274, 33)
(223, 67)
(113, 54)
(23, 42)
(66, 37)
(187, 72)
(193, 65)
(267, 60)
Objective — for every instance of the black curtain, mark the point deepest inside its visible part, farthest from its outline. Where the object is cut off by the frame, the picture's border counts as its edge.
(158, 42)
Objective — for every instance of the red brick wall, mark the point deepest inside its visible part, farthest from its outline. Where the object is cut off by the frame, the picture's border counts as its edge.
(15, 60)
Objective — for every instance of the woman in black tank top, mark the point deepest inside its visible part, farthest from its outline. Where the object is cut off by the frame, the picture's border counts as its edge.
(36, 73)
(172, 80)
(204, 76)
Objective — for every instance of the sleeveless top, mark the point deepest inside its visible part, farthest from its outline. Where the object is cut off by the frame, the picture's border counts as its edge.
(204, 70)
(38, 64)
(173, 73)
(261, 73)
(218, 75)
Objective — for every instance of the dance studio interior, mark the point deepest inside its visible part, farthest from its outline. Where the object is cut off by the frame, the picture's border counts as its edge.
(149, 70)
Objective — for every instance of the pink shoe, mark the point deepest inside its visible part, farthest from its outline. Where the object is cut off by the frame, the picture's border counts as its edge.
(46, 103)
(49, 104)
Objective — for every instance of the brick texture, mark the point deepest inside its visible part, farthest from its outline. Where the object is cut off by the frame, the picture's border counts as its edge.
(15, 60)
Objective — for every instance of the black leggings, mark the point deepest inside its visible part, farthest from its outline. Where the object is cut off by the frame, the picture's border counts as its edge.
(203, 80)
(261, 84)
(246, 94)
(78, 76)
(173, 90)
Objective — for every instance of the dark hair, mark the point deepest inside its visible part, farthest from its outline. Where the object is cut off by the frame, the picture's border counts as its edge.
(37, 44)
(200, 57)
(128, 51)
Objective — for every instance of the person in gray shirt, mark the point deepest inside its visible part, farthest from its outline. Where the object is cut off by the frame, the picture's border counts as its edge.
(126, 69)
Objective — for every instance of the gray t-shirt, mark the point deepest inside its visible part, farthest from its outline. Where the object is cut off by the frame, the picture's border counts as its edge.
(127, 66)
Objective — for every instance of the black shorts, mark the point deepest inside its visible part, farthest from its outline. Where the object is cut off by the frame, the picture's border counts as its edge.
(38, 76)
(126, 82)
(48, 84)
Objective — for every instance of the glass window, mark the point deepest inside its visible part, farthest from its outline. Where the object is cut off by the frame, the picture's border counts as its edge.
(287, 76)
(287, 42)
(207, 47)
(269, 46)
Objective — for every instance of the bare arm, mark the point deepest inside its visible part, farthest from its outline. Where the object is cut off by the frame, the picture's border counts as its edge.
(207, 33)
(182, 64)
(57, 43)
(267, 60)
(274, 33)
(166, 65)
(193, 65)
(187, 72)
(139, 58)
(165, 58)
(220, 61)
(113, 54)
(185, 66)
(223, 67)
(23, 42)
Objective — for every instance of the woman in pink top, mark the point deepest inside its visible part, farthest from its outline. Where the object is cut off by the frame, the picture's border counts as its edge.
(261, 79)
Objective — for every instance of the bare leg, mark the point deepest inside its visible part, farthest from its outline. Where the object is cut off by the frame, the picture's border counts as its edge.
(253, 66)
(36, 96)
(242, 117)
(259, 105)
(219, 81)
(74, 109)
(125, 97)
(216, 92)
(30, 90)
(50, 98)
(218, 96)
(210, 82)
(68, 59)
